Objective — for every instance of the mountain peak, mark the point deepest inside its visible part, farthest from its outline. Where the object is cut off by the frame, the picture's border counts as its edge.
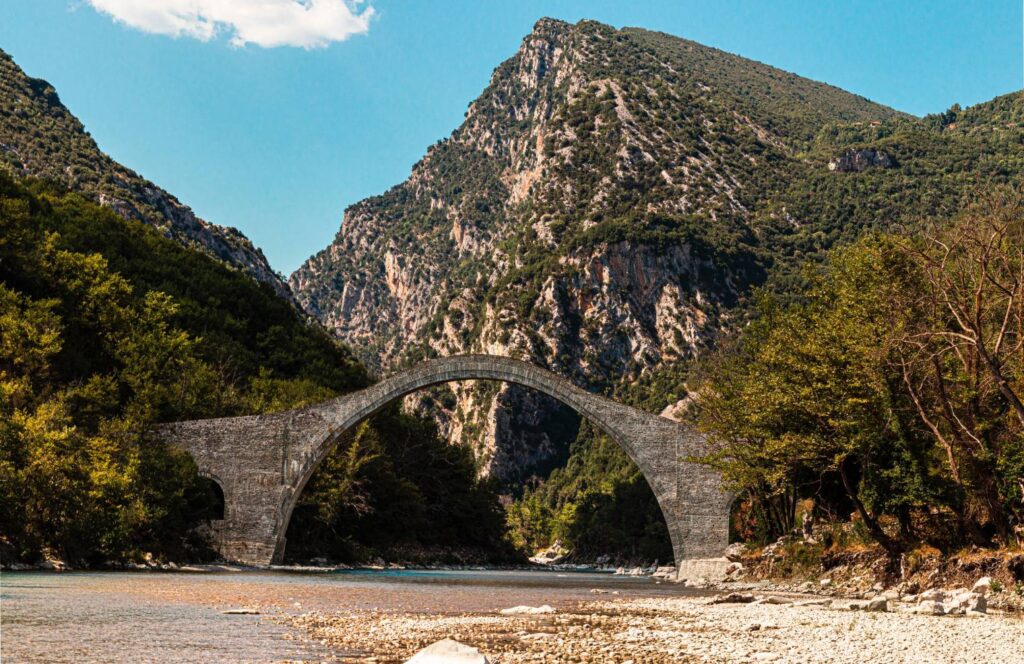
(593, 213)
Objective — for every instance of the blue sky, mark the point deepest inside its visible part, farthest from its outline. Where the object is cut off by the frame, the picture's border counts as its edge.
(278, 141)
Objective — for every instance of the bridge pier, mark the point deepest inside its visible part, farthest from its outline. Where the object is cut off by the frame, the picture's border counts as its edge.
(262, 462)
(252, 530)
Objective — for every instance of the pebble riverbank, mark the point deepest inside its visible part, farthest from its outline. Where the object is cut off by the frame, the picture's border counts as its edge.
(662, 630)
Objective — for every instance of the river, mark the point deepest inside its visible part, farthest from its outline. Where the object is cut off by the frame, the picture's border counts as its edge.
(176, 616)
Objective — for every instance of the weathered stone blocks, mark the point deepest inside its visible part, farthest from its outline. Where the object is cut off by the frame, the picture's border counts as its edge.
(263, 462)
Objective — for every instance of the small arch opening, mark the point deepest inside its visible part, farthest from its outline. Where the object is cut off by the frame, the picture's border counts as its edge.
(210, 499)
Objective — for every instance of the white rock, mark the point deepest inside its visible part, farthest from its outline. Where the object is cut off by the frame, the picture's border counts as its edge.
(930, 607)
(734, 552)
(967, 601)
(241, 612)
(54, 564)
(667, 572)
(982, 585)
(933, 595)
(878, 604)
(825, 583)
(448, 651)
(957, 604)
(527, 610)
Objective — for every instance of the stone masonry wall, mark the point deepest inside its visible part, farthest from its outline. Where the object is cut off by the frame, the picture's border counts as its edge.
(263, 462)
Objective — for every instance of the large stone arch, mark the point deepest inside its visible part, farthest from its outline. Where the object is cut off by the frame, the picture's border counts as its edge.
(263, 462)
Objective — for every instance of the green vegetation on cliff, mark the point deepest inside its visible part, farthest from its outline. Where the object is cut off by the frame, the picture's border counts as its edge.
(940, 164)
(41, 138)
(607, 209)
(107, 327)
(890, 393)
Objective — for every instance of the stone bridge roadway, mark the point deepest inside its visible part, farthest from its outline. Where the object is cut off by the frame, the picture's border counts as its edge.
(263, 462)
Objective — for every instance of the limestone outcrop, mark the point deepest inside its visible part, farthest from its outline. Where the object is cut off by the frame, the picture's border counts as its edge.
(857, 161)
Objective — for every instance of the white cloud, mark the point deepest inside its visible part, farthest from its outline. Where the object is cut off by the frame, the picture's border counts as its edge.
(267, 23)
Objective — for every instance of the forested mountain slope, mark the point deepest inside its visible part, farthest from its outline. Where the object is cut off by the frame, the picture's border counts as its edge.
(595, 213)
(605, 210)
(107, 327)
(40, 137)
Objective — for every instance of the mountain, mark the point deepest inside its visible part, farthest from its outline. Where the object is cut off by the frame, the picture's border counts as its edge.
(106, 327)
(597, 212)
(120, 308)
(40, 137)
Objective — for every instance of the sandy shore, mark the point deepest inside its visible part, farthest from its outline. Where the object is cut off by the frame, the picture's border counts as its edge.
(659, 630)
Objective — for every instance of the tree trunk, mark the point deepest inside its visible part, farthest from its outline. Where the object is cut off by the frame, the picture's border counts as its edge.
(890, 545)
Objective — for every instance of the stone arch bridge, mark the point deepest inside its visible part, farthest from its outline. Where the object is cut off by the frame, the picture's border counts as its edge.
(262, 462)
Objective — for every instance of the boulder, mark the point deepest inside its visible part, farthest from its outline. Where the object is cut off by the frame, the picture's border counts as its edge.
(667, 572)
(878, 604)
(54, 564)
(933, 595)
(733, 598)
(966, 601)
(734, 552)
(448, 651)
(825, 583)
(982, 585)
(930, 607)
(527, 610)
(552, 555)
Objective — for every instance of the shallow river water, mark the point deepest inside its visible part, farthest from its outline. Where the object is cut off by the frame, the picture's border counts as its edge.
(176, 617)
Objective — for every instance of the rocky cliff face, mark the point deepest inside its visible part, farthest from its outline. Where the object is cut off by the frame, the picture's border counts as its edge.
(857, 161)
(40, 137)
(593, 214)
